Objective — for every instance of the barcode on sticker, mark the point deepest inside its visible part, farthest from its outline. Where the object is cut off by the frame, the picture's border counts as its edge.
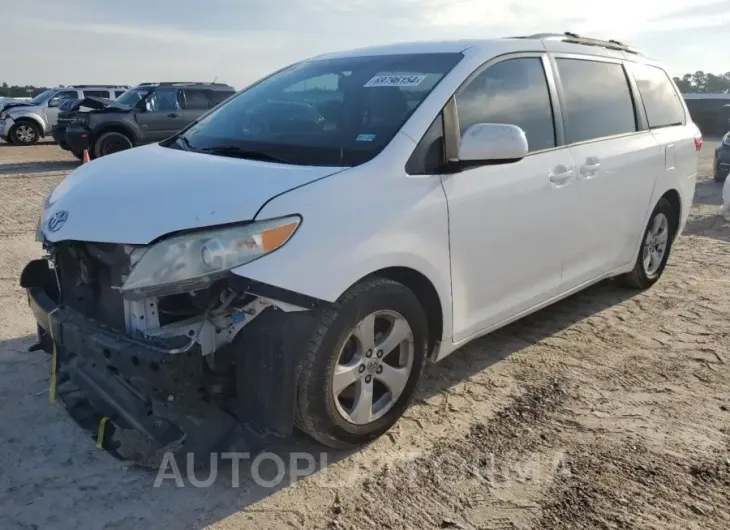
(395, 80)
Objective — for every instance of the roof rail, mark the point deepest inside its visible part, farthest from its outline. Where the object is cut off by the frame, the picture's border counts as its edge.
(574, 38)
(180, 83)
(97, 86)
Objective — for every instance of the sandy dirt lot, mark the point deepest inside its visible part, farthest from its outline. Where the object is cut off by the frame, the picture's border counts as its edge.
(608, 410)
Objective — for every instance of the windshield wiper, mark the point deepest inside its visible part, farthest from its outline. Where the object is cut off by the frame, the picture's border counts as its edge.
(184, 142)
(239, 152)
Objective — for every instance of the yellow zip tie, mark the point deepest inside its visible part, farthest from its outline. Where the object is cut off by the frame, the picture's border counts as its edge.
(54, 361)
(100, 433)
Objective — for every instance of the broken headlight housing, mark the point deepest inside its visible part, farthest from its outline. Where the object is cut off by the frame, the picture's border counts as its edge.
(194, 260)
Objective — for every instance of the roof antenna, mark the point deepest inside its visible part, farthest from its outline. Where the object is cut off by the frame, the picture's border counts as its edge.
(215, 79)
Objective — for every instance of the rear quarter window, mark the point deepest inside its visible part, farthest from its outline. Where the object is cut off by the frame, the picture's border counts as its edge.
(219, 96)
(196, 99)
(661, 100)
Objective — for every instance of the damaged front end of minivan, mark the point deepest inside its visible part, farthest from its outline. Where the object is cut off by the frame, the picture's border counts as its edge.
(165, 340)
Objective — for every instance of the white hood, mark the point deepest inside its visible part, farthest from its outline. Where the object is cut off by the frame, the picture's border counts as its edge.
(139, 195)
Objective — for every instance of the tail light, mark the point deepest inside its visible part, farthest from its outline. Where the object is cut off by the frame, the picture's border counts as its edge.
(698, 142)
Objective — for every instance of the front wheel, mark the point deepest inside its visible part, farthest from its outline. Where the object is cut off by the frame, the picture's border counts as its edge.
(24, 133)
(110, 143)
(362, 365)
(655, 247)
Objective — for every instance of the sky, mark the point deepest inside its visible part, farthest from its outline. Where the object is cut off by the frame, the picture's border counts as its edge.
(52, 42)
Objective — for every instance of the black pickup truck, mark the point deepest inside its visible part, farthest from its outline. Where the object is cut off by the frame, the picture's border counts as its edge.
(149, 112)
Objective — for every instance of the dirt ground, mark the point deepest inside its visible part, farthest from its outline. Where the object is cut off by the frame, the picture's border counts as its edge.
(608, 410)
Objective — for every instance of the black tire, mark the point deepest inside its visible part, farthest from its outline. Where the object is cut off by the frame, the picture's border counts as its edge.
(79, 156)
(8, 140)
(717, 176)
(111, 142)
(24, 132)
(316, 413)
(638, 277)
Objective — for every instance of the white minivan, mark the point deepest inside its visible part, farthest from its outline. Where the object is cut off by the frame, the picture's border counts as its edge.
(296, 255)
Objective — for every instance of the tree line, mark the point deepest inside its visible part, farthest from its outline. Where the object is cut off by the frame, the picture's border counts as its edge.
(699, 82)
(15, 91)
(703, 83)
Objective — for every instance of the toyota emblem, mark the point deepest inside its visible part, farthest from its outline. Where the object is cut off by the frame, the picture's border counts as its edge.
(57, 220)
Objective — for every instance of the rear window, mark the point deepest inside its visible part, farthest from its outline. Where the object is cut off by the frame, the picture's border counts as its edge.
(661, 101)
(597, 99)
(118, 93)
(338, 112)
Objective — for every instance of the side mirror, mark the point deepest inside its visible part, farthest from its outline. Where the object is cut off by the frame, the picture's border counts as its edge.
(493, 142)
(54, 103)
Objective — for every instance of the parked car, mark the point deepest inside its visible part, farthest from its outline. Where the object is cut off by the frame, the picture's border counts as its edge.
(24, 123)
(709, 112)
(298, 254)
(721, 165)
(150, 112)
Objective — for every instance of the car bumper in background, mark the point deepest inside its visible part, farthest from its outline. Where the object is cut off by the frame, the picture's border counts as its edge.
(76, 138)
(725, 208)
(5, 126)
(59, 135)
(722, 160)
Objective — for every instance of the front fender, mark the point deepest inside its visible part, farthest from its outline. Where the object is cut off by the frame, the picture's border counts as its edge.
(17, 115)
(356, 223)
(131, 129)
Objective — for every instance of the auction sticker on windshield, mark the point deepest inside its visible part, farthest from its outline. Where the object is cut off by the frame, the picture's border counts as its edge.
(395, 80)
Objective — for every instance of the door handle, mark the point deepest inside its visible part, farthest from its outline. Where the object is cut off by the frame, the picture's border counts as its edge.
(173, 115)
(590, 168)
(561, 175)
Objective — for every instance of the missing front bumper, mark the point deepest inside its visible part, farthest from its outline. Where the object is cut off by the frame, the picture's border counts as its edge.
(175, 400)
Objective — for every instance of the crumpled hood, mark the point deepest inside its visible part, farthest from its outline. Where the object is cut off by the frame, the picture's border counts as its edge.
(9, 104)
(93, 102)
(136, 196)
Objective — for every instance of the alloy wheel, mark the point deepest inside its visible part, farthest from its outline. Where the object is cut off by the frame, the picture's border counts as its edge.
(655, 244)
(373, 367)
(25, 133)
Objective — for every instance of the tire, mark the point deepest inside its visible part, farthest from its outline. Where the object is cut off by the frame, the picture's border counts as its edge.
(320, 412)
(24, 133)
(716, 175)
(79, 156)
(110, 143)
(8, 140)
(643, 277)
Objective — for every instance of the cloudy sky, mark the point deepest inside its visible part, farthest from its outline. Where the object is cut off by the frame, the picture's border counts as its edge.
(50, 42)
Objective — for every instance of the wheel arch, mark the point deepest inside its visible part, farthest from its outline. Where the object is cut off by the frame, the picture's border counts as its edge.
(672, 196)
(427, 296)
(31, 119)
(115, 127)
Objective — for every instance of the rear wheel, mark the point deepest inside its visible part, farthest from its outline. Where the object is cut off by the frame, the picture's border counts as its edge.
(112, 142)
(362, 365)
(655, 247)
(79, 156)
(24, 133)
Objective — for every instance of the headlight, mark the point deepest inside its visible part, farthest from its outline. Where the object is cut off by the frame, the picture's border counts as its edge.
(193, 260)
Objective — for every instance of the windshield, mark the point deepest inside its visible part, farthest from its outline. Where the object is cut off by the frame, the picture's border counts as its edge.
(42, 97)
(339, 112)
(131, 97)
